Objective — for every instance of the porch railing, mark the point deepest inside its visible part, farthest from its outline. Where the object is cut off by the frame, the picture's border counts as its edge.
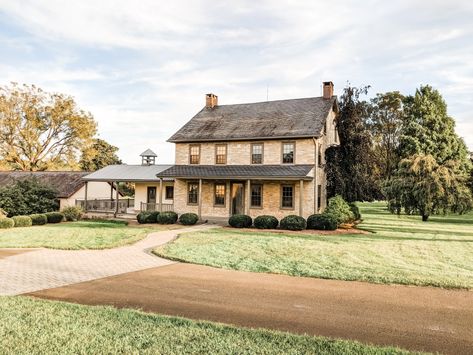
(155, 207)
(105, 205)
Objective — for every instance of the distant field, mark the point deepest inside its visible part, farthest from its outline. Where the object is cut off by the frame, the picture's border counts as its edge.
(400, 250)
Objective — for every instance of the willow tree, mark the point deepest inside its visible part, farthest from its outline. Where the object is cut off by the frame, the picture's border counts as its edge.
(422, 186)
(40, 130)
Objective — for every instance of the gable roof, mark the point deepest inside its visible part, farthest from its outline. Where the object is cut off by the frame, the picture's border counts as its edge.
(66, 183)
(148, 153)
(127, 173)
(295, 118)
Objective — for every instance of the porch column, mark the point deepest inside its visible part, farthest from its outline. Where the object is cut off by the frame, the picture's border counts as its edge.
(85, 198)
(228, 197)
(111, 191)
(301, 195)
(316, 180)
(200, 200)
(248, 195)
(116, 200)
(160, 194)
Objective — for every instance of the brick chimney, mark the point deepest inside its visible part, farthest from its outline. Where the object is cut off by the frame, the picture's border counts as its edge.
(211, 100)
(328, 90)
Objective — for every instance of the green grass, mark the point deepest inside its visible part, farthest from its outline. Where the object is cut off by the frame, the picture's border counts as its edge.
(401, 250)
(29, 326)
(75, 235)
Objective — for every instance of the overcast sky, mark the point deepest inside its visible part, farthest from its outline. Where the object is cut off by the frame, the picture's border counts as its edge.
(142, 68)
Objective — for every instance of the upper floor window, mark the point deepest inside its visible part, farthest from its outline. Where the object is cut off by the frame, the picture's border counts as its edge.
(219, 198)
(194, 154)
(257, 153)
(335, 132)
(320, 156)
(221, 154)
(288, 150)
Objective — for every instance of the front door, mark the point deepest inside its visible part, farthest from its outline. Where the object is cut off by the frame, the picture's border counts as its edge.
(151, 196)
(238, 198)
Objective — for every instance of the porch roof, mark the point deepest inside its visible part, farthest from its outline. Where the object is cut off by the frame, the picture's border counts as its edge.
(266, 172)
(128, 173)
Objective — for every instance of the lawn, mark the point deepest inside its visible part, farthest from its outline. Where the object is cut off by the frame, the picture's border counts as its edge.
(400, 250)
(87, 234)
(29, 326)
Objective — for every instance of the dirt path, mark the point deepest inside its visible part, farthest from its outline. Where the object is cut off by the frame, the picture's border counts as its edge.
(416, 318)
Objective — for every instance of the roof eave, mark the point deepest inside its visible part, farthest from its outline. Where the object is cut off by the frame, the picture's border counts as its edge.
(243, 138)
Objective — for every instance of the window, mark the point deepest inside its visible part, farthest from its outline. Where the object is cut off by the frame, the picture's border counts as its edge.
(320, 156)
(288, 153)
(287, 196)
(221, 154)
(194, 154)
(219, 199)
(257, 153)
(319, 196)
(192, 193)
(335, 132)
(256, 195)
(169, 192)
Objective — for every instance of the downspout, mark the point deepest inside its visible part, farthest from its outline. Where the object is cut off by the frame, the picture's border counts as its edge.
(316, 180)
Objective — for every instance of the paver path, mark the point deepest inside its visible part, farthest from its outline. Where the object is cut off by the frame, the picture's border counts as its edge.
(38, 269)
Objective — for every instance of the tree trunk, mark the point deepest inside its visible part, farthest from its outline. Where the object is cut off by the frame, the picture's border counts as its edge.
(425, 218)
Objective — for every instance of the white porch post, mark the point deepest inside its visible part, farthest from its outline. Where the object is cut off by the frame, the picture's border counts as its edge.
(85, 198)
(301, 195)
(248, 194)
(200, 200)
(116, 200)
(316, 180)
(160, 194)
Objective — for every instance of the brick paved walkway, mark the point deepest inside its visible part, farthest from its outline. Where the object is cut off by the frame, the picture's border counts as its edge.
(40, 269)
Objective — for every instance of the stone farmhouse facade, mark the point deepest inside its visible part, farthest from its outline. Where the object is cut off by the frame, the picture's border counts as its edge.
(255, 158)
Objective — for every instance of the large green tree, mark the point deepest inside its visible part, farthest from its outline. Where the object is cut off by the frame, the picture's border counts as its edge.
(351, 170)
(385, 123)
(429, 130)
(40, 130)
(99, 155)
(422, 186)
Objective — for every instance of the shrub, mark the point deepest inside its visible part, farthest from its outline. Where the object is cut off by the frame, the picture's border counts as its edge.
(324, 221)
(339, 208)
(54, 217)
(188, 219)
(266, 222)
(167, 217)
(240, 221)
(72, 213)
(355, 210)
(39, 219)
(6, 222)
(22, 221)
(147, 217)
(293, 223)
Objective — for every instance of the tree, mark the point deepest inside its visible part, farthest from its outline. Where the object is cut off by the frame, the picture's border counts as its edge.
(99, 155)
(429, 130)
(422, 186)
(28, 196)
(350, 168)
(40, 130)
(385, 123)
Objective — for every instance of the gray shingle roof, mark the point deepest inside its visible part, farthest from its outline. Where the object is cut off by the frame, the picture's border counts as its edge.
(65, 183)
(272, 119)
(127, 173)
(270, 172)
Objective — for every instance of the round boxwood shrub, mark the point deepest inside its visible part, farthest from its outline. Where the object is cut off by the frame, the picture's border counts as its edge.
(72, 213)
(266, 222)
(54, 217)
(293, 223)
(22, 221)
(240, 221)
(338, 207)
(147, 217)
(188, 219)
(6, 222)
(168, 217)
(38, 219)
(355, 210)
(324, 221)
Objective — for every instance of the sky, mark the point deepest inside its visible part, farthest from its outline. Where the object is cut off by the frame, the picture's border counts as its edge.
(142, 68)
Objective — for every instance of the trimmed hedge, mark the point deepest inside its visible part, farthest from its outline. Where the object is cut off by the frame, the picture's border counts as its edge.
(240, 221)
(355, 210)
(22, 221)
(293, 223)
(188, 219)
(324, 221)
(54, 217)
(6, 222)
(147, 217)
(38, 219)
(266, 222)
(338, 207)
(168, 217)
(72, 213)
